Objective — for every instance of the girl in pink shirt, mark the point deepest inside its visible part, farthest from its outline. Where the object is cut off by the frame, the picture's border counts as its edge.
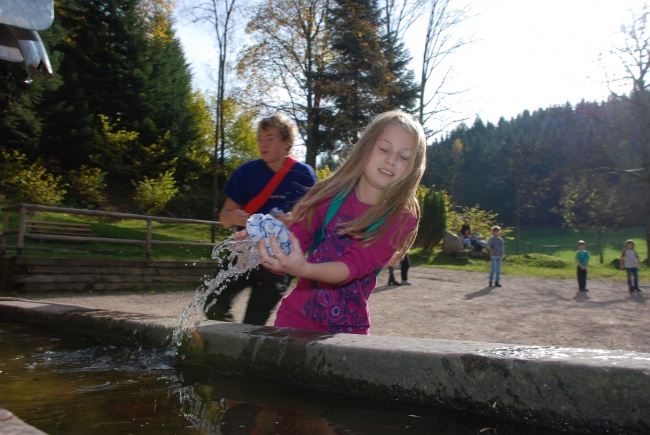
(372, 222)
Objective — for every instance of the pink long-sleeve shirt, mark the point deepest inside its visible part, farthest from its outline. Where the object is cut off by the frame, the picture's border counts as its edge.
(343, 307)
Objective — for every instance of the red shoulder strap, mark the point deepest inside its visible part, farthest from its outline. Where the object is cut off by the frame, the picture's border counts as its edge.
(261, 198)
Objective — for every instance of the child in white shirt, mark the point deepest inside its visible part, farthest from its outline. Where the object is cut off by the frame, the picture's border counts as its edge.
(630, 262)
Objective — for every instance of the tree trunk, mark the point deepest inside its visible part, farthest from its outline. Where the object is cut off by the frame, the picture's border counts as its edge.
(601, 247)
(647, 220)
(518, 225)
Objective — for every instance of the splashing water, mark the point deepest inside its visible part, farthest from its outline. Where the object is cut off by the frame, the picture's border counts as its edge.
(245, 252)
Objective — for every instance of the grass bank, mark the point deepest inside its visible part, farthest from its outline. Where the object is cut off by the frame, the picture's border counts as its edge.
(538, 265)
(562, 243)
(545, 253)
(549, 253)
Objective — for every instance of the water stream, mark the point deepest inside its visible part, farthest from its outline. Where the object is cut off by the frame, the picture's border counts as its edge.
(247, 258)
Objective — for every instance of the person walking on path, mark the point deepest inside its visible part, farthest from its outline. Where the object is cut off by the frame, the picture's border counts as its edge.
(351, 225)
(497, 249)
(272, 184)
(582, 260)
(630, 262)
(405, 264)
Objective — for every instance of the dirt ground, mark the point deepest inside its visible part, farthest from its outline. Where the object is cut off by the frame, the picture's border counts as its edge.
(459, 306)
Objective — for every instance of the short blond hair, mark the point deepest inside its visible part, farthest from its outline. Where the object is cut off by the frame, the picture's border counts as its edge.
(286, 128)
(496, 228)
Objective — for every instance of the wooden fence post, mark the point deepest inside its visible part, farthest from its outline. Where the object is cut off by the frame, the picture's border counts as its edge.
(148, 247)
(5, 228)
(20, 244)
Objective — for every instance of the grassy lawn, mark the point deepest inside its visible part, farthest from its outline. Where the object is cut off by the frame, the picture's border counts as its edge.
(540, 260)
(545, 253)
(119, 229)
(562, 243)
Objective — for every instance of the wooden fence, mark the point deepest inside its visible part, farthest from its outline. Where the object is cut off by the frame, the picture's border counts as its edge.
(24, 209)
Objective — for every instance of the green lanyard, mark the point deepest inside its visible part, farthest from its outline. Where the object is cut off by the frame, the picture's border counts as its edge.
(333, 208)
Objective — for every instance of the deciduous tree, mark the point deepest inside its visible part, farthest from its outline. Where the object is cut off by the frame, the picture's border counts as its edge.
(590, 203)
(221, 15)
(286, 63)
(633, 53)
(440, 42)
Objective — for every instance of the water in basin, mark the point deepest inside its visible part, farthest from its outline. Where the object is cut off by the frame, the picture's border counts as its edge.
(73, 384)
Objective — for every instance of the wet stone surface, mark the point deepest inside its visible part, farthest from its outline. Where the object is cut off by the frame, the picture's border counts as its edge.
(12, 425)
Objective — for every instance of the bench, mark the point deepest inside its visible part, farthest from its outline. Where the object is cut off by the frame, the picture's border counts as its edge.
(59, 228)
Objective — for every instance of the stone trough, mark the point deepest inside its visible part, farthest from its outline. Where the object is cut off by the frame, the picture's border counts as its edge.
(577, 390)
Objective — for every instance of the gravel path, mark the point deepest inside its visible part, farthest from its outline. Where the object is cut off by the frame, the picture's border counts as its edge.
(459, 306)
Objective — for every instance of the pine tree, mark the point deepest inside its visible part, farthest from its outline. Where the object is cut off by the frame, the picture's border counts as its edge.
(20, 96)
(122, 61)
(433, 222)
(369, 73)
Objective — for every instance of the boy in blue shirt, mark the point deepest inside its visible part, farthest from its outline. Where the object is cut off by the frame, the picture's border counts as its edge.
(275, 137)
(582, 260)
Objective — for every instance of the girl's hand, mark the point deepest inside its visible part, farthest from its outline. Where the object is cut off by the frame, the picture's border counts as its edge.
(293, 264)
(241, 235)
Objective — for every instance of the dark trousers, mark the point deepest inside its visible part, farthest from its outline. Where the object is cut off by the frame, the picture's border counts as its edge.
(632, 272)
(267, 289)
(582, 278)
(405, 264)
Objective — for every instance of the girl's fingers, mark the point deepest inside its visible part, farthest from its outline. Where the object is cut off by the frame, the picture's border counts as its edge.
(275, 248)
(241, 235)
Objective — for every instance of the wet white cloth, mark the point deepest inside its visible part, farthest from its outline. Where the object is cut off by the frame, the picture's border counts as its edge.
(261, 226)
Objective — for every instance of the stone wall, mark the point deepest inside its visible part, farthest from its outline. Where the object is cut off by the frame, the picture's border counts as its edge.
(24, 275)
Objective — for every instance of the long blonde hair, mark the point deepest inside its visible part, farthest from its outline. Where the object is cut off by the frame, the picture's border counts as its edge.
(398, 197)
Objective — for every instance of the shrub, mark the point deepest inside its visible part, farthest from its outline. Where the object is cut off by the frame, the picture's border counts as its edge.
(87, 184)
(323, 173)
(433, 220)
(537, 260)
(481, 221)
(152, 195)
(23, 182)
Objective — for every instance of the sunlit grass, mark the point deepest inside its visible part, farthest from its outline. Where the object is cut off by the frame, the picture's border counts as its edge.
(548, 253)
(562, 243)
(545, 253)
